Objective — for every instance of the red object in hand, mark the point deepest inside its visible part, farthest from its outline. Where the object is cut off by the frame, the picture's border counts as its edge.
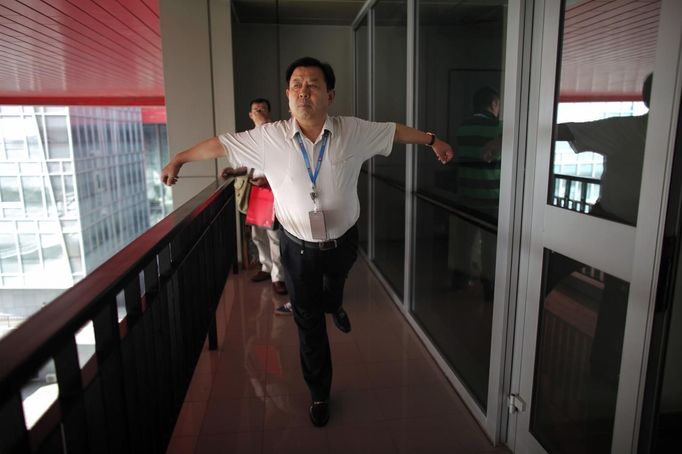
(261, 210)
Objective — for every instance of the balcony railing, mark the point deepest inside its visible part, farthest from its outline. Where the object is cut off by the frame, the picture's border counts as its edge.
(150, 307)
(572, 192)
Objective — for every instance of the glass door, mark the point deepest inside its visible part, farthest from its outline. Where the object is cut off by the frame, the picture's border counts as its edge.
(598, 162)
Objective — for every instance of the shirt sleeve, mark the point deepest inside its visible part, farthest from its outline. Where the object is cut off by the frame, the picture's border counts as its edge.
(373, 138)
(610, 136)
(600, 136)
(244, 148)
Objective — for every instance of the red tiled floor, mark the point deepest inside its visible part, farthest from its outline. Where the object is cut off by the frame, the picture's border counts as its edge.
(388, 395)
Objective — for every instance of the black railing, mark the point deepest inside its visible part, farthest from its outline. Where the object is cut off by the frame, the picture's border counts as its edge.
(127, 396)
(564, 187)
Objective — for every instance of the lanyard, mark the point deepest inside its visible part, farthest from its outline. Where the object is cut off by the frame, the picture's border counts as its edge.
(313, 176)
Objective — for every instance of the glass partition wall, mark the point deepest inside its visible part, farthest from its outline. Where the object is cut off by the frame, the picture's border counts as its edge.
(461, 44)
(438, 66)
(388, 176)
(525, 264)
(361, 47)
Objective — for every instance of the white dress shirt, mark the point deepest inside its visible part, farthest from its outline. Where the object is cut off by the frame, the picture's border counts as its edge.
(273, 149)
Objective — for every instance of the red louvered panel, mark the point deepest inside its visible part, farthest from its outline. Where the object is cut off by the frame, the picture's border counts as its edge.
(103, 49)
(646, 21)
(616, 49)
(55, 47)
(606, 12)
(144, 13)
(118, 18)
(77, 23)
(608, 49)
(85, 100)
(153, 5)
(80, 52)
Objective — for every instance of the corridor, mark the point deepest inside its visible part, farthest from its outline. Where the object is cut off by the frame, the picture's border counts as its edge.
(388, 395)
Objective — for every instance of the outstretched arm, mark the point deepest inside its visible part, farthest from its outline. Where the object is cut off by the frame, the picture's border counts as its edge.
(563, 133)
(208, 149)
(405, 134)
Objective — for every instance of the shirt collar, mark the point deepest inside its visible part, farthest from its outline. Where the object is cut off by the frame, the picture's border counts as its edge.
(295, 129)
(485, 114)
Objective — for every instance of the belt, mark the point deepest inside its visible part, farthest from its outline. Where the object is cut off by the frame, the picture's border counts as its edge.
(321, 245)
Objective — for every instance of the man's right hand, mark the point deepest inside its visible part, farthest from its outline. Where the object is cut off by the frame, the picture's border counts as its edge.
(260, 182)
(169, 174)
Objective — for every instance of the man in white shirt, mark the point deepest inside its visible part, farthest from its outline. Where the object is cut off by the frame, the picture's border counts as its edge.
(312, 162)
(266, 240)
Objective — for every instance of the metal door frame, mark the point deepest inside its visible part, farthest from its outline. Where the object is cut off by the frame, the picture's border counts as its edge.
(634, 253)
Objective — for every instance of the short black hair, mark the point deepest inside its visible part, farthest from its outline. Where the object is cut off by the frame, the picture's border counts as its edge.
(260, 101)
(307, 62)
(484, 97)
(646, 89)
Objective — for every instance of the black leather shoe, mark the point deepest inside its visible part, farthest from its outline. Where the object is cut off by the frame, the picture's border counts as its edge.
(319, 413)
(341, 320)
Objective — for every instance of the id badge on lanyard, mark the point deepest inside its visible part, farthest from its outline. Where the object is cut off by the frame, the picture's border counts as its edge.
(318, 226)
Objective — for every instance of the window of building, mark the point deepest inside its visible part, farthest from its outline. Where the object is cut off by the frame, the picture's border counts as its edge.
(9, 189)
(57, 137)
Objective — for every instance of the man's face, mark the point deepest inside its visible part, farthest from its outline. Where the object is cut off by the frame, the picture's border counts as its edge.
(308, 96)
(259, 113)
(495, 108)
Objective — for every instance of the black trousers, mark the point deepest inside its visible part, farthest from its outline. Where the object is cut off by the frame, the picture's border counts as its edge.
(315, 279)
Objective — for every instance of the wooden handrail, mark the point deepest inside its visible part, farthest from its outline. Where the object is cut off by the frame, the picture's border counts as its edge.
(193, 245)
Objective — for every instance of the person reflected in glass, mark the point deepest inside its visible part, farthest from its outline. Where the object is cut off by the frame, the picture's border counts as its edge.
(620, 140)
(479, 140)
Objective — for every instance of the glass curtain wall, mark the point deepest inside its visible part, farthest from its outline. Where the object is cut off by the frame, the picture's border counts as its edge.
(459, 73)
(77, 184)
(388, 176)
(159, 196)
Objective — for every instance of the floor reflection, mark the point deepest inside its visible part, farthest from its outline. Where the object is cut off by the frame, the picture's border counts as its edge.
(249, 396)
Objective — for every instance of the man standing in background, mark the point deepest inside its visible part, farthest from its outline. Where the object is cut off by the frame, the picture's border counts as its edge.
(478, 187)
(266, 240)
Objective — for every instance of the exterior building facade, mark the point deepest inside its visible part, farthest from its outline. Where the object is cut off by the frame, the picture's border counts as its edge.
(74, 189)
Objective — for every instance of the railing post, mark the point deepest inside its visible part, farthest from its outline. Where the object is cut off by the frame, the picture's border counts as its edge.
(13, 436)
(110, 369)
(74, 420)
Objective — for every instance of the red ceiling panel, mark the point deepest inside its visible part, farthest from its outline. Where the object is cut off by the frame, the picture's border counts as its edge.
(153, 6)
(608, 49)
(109, 51)
(120, 19)
(80, 52)
(55, 46)
(113, 34)
(148, 16)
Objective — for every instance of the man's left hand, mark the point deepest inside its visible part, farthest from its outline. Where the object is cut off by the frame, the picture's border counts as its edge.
(443, 151)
